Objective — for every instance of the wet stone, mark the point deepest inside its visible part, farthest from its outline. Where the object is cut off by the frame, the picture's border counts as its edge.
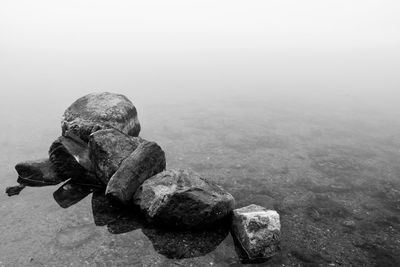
(69, 156)
(98, 111)
(147, 160)
(183, 199)
(256, 232)
(37, 173)
(107, 149)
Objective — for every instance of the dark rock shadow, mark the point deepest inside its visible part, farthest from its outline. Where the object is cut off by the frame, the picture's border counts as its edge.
(171, 243)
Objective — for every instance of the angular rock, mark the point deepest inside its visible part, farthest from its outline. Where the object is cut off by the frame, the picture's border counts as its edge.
(71, 193)
(69, 156)
(98, 111)
(147, 160)
(37, 173)
(184, 199)
(107, 149)
(256, 232)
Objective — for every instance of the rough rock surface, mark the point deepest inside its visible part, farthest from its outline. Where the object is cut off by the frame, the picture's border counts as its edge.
(98, 111)
(107, 149)
(147, 160)
(184, 199)
(256, 231)
(69, 156)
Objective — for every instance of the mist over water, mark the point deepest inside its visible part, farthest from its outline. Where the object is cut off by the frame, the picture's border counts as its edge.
(293, 105)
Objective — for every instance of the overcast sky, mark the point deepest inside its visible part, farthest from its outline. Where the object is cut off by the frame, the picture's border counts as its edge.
(165, 48)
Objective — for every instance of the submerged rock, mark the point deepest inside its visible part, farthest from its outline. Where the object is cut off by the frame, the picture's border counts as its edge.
(37, 173)
(181, 198)
(98, 111)
(147, 160)
(69, 156)
(256, 232)
(71, 193)
(14, 190)
(107, 149)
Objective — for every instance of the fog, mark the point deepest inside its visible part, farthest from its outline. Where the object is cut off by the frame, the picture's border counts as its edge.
(176, 50)
(291, 105)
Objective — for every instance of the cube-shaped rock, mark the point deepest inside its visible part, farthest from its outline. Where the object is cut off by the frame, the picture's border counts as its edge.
(256, 231)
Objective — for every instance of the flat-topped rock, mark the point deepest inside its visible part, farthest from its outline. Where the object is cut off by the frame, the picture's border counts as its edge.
(37, 173)
(98, 111)
(107, 149)
(147, 160)
(183, 199)
(256, 231)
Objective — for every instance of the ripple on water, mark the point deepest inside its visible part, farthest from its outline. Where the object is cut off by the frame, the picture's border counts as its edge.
(75, 236)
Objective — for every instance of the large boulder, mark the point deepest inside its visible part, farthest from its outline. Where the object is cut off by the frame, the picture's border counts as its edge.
(107, 149)
(183, 199)
(98, 111)
(256, 232)
(147, 160)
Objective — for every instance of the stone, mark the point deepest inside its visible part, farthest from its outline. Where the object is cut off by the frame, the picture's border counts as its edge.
(256, 232)
(107, 149)
(37, 173)
(147, 160)
(98, 111)
(69, 156)
(71, 193)
(183, 199)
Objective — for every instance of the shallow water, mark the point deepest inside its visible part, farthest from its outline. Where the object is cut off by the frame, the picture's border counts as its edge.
(330, 168)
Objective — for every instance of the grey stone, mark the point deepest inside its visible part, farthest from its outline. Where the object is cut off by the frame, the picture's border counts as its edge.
(147, 160)
(256, 231)
(98, 111)
(107, 149)
(69, 156)
(183, 199)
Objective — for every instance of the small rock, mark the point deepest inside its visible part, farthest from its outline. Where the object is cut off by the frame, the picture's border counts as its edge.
(256, 232)
(71, 193)
(37, 173)
(98, 111)
(147, 160)
(107, 149)
(184, 199)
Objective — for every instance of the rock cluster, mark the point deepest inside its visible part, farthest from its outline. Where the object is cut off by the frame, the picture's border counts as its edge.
(100, 146)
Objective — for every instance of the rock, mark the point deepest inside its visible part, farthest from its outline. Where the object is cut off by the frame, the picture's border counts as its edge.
(70, 157)
(37, 173)
(98, 111)
(184, 199)
(71, 193)
(256, 232)
(147, 160)
(107, 149)
(14, 190)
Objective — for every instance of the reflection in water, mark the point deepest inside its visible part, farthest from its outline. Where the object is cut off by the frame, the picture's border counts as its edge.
(119, 220)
